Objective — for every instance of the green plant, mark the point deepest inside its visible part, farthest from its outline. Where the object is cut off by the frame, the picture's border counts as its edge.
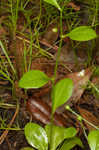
(82, 33)
(14, 8)
(54, 135)
(93, 140)
(40, 137)
(37, 136)
(6, 55)
(61, 91)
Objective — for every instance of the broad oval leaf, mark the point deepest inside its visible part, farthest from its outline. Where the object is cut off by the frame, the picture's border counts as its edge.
(70, 143)
(82, 33)
(33, 79)
(61, 93)
(36, 136)
(93, 140)
(27, 148)
(54, 3)
(59, 134)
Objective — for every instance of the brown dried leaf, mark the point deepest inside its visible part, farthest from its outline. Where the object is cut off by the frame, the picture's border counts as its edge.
(67, 54)
(41, 111)
(80, 80)
(43, 64)
(50, 37)
(89, 117)
(74, 6)
(95, 80)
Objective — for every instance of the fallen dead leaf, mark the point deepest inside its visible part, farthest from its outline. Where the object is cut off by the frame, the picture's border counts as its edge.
(80, 80)
(41, 111)
(50, 37)
(67, 54)
(74, 6)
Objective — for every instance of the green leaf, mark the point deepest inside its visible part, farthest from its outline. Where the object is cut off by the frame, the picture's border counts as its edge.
(33, 79)
(93, 140)
(27, 148)
(59, 134)
(70, 143)
(82, 33)
(61, 93)
(54, 3)
(36, 136)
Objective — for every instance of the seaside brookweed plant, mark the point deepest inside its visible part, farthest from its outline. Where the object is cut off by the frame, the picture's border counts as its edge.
(39, 137)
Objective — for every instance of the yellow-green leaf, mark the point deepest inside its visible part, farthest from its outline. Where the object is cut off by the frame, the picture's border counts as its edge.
(33, 79)
(54, 3)
(82, 33)
(36, 136)
(61, 93)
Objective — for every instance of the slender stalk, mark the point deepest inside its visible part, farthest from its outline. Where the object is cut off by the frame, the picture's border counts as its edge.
(6, 105)
(96, 13)
(39, 14)
(6, 76)
(59, 49)
(78, 116)
(95, 18)
(54, 77)
(9, 61)
(13, 129)
(96, 89)
(36, 33)
(42, 51)
(85, 134)
(30, 60)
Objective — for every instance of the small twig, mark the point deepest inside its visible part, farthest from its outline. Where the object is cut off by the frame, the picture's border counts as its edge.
(44, 42)
(28, 42)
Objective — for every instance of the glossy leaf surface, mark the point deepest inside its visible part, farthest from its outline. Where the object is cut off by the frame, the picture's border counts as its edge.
(93, 140)
(70, 143)
(61, 93)
(82, 33)
(33, 79)
(36, 136)
(54, 3)
(59, 134)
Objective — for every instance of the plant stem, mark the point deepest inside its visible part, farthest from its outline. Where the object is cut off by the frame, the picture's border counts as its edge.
(13, 129)
(96, 13)
(31, 41)
(68, 108)
(6, 76)
(85, 134)
(9, 61)
(36, 34)
(96, 89)
(54, 77)
(59, 49)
